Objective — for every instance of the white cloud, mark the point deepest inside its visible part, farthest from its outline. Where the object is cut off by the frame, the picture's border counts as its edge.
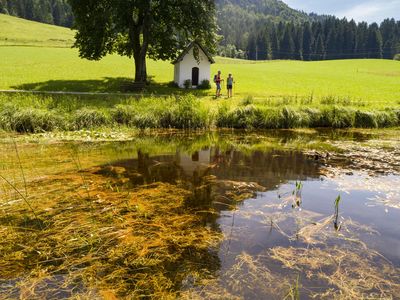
(360, 10)
(372, 11)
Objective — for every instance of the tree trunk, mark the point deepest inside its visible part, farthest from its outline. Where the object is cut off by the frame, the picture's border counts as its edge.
(139, 36)
(140, 68)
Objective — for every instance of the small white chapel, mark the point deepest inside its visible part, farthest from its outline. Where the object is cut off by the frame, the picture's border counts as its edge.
(188, 68)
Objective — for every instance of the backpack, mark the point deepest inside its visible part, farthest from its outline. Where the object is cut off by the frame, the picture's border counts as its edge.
(215, 78)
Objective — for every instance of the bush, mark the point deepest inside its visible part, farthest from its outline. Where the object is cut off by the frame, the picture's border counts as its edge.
(314, 116)
(173, 84)
(187, 84)
(187, 113)
(30, 120)
(245, 117)
(387, 119)
(124, 115)
(397, 114)
(337, 117)
(397, 56)
(365, 119)
(247, 101)
(204, 85)
(89, 118)
(293, 119)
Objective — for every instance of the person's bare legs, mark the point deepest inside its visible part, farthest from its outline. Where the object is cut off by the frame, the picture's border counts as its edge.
(229, 93)
(218, 93)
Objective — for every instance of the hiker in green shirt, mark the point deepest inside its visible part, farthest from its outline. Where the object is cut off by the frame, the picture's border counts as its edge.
(229, 85)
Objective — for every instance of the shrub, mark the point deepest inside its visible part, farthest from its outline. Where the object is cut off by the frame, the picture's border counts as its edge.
(89, 118)
(124, 115)
(7, 116)
(365, 119)
(397, 56)
(204, 85)
(272, 119)
(245, 117)
(293, 119)
(337, 117)
(387, 119)
(187, 84)
(222, 118)
(314, 116)
(188, 113)
(173, 84)
(328, 100)
(247, 101)
(397, 114)
(30, 120)
(147, 119)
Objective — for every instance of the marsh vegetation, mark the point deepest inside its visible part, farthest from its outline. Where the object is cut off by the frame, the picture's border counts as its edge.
(43, 113)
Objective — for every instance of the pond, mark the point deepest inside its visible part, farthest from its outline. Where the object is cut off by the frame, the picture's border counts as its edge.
(202, 215)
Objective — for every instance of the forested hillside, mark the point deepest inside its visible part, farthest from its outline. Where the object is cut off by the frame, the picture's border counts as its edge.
(237, 18)
(270, 29)
(330, 38)
(56, 12)
(261, 29)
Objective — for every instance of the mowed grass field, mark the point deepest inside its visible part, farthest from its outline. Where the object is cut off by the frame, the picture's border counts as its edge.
(48, 68)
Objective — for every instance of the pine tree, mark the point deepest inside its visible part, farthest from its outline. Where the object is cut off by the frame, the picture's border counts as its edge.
(350, 40)
(320, 53)
(274, 42)
(362, 40)
(374, 44)
(252, 47)
(331, 43)
(388, 31)
(298, 42)
(307, 41)
(340, 38)
(287, 44)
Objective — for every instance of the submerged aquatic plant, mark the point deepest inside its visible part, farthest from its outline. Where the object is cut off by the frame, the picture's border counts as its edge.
(101, 241)
(294, 290)
(337, 225)
(297, 194)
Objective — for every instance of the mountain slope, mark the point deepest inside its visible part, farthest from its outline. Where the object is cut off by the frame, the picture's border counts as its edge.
(238, 18)
(19, 31)
(263, 8)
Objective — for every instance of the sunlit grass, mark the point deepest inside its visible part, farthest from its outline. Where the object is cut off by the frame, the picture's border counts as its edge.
(353, 82)
(17, 31)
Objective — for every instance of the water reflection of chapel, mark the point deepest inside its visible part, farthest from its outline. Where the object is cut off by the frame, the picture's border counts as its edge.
(266, 168)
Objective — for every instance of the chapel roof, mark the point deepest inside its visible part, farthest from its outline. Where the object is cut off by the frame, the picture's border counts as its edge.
(188, 48)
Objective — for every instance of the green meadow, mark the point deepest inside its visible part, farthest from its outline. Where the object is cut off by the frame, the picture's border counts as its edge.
(60, 69)
(16, 31)
(34, 59)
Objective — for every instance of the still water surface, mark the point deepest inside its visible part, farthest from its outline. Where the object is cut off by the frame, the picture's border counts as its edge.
(300, 214)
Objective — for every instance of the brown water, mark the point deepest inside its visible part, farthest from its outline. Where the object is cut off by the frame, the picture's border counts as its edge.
(298, 215)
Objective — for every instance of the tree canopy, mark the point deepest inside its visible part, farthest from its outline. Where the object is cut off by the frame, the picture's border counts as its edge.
(135, 28)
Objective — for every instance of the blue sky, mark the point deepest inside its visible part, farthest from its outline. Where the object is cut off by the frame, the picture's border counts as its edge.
(359, 10)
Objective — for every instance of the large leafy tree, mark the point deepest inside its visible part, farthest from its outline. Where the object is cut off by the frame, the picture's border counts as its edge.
(142, 28)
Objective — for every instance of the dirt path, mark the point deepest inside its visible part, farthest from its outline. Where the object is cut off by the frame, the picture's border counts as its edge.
(72, 93)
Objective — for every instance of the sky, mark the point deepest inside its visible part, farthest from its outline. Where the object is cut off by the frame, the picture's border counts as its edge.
(359, 10)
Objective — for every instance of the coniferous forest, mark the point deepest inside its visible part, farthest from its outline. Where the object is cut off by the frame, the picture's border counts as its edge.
(56, 12)
(261, 30)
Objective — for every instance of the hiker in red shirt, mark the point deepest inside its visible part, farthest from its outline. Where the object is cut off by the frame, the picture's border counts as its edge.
(217, 80)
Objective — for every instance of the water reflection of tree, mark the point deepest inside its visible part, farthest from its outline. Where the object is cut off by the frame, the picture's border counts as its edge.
(198, 170)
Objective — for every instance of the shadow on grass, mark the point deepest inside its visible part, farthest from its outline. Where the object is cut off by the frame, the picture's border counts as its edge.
(107, 85)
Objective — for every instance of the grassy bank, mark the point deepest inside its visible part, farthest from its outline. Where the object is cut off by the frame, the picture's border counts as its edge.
(32, 114)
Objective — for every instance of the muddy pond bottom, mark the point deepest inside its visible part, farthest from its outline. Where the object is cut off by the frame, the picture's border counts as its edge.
(272, 215)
